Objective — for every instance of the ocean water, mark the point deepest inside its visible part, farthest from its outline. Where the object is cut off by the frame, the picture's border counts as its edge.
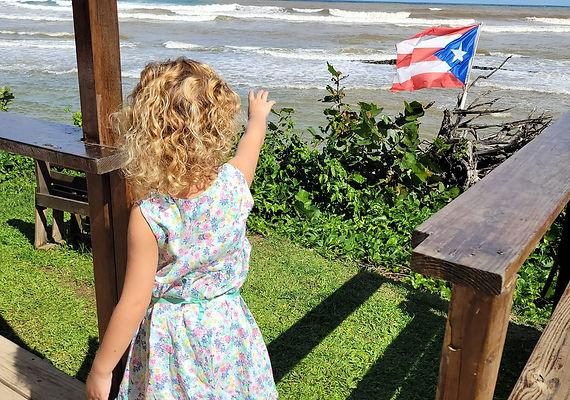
(284, 46)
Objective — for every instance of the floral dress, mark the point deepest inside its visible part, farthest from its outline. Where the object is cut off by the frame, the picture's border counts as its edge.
(198, 340)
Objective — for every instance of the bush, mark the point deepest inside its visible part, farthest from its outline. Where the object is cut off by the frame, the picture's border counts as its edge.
(357, 187)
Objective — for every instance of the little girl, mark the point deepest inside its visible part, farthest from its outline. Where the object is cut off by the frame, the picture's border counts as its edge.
(188, 254)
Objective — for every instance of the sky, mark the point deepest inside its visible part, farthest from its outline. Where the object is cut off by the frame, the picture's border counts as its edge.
(565, 3)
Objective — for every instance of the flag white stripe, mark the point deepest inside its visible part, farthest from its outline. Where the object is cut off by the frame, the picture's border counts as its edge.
(425, 42)
(423, 67)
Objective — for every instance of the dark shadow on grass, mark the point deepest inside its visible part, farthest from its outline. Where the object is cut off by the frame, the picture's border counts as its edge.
(9, 333)
(25, 228)
(75, 239)
(409, 367)
(294, 344)
(88, 359)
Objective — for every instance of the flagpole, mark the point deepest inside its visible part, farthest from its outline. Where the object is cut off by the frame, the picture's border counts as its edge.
(466, 87)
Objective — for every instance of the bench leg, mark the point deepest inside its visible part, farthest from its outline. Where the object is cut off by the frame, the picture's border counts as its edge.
(57, 227)
(40, 230)
(473, 345)
(41, 226)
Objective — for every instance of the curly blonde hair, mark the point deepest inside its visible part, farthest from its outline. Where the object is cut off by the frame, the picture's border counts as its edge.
(177, 127)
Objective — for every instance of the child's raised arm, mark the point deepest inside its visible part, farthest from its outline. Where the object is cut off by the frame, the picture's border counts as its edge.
(250, 144)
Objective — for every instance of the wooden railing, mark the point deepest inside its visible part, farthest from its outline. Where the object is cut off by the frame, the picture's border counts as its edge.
(478, 242)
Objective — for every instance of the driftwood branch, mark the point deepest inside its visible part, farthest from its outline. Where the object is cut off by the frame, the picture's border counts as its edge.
(469, 149)
(489, 74)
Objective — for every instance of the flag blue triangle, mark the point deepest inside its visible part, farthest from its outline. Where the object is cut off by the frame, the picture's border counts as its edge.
(458, 53)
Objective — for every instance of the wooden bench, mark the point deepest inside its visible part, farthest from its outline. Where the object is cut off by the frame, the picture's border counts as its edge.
(478, 242)
(546, 375)
(24, 375)
(54, 144)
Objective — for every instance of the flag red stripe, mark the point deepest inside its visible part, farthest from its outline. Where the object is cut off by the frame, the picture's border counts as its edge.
(444, 30)
(419, 54)
(428, 80)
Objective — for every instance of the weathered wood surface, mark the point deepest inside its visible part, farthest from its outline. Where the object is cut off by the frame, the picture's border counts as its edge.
(8, 394)
(24, 375)
(473, 344)
(59, 144)
(99, 68)
(481, 238)
(546, 375)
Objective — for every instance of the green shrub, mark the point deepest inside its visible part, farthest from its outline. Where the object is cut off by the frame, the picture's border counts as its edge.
(358, 186)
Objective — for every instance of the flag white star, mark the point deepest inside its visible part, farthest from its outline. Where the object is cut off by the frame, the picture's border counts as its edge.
(458, 53)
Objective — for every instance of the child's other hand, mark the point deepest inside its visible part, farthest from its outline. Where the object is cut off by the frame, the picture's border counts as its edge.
(259, 107)
(98, 386)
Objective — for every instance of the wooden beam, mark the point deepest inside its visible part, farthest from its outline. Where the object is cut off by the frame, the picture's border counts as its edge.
(99, 69)
(473, 345)
(482, 238)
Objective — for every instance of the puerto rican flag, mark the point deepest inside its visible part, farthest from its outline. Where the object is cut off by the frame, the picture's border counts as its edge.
(439, 57)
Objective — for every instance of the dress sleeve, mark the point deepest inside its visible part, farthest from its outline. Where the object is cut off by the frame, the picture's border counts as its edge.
(237, 178)
(151, 213)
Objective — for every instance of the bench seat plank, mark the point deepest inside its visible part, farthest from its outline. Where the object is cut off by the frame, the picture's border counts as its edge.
(31, 377)
(481, 238)
(546, 375)
(59, 144)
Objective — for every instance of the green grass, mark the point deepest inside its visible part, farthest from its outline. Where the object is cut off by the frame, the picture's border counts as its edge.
(333, 331)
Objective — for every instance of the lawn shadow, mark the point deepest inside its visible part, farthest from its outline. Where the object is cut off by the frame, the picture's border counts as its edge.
(8, 333)
(25, 228)
(88, 359)
(74, 238)
(289, 348)
(409, 367)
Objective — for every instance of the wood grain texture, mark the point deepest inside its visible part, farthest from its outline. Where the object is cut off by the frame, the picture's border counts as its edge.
(59, 144)
(99, 69)
(546, 375)
(99, 66)
(62, 203)
(473, 344)
(30, 377)
(8, 394)
(481, 238)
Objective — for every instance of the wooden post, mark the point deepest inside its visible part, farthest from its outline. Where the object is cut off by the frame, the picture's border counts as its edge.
(99, 69)
(41, 225)
(563, 259)
(473, 345)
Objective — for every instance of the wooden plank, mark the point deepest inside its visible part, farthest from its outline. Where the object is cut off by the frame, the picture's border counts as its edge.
(473, 344)
(481, 238)
(8, 394)
(546, 376)
(34, 378)
(56, 143)
(79, 183)
(62, 203)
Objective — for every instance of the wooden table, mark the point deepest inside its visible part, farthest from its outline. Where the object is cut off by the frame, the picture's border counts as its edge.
(55, 143)
(61, 145)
